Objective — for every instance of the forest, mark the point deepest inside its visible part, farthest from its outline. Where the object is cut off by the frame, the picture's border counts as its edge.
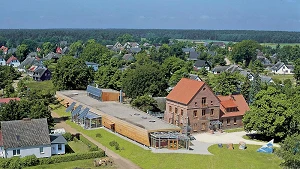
(14, 37)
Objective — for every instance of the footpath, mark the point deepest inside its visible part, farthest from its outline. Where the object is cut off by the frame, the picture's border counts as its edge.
(120, 162)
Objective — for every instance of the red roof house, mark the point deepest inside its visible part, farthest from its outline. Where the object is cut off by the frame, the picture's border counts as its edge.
(233, 108)
(7, 100)
(13, 61)
(58, 50)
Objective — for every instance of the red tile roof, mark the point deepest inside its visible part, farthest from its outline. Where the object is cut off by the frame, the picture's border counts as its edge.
(6, 100)
(228, 103)
(11, 59)
(58, 50)
(4, 49)
(185, 90)
(238, 100)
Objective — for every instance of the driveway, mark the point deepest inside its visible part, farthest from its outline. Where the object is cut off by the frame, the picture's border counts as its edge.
(226, 138)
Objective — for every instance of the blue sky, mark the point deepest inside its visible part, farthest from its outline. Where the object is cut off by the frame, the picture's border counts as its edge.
(157, 14)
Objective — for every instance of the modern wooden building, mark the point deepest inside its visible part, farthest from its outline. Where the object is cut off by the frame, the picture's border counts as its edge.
(125, 120)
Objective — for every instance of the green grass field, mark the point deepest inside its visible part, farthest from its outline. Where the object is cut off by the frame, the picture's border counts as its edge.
(222, 158)
(273, 45)
(83, 164)
(78, 146)
(44, 85)
(283, 77)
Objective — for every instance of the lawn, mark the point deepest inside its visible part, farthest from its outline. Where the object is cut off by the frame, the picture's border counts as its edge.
(283, 77)
(43, 85)
(234, 130)
(84, 164)
(222, 157)
(78, 146)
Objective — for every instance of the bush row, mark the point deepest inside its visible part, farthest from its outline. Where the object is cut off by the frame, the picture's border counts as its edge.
(92, 146)
(19, 163)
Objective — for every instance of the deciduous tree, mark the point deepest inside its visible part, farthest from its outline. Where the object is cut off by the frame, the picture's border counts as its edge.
(245, 51)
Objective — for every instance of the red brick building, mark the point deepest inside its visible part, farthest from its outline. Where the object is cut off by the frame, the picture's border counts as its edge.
(233, 108)
(194, 104)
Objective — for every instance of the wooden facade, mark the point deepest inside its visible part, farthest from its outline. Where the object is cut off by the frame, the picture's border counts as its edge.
(122, 127)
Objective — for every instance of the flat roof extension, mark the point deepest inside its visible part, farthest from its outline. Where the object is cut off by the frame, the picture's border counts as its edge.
(120, 111)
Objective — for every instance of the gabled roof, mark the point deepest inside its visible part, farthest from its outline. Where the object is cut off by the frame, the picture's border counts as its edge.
(29, 61)
(233, 101)
(185, 50)
(57, 139)
(11, 50)
(135, 50)
(194, 55)
(277, 66)
(201, 63)
(195, 77)
(265, 79)
(11, 59)
(91, 63)
(39, 71)
(52, 55)
(185, 90)
(128, 57)
(1, 139)
(25, 133)
(7, 100)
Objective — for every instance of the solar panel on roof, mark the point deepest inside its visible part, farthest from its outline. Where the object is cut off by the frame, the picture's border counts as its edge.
(94, 91)
(83, 113)
(77, 110)
(70, 108)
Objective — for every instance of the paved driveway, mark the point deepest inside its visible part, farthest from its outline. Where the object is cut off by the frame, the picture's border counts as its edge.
(225, 138)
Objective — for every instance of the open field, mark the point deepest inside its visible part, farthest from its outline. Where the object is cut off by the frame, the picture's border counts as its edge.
(284, 77)
(71, 165)
(222, 158)
(44, 85)
(273, 45)
(234, 130)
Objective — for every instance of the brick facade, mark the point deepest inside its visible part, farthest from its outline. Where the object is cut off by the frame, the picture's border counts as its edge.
(202, 108)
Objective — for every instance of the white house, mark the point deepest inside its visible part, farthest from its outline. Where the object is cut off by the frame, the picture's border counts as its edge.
(29, 137)
(13, 61)
(281, 68)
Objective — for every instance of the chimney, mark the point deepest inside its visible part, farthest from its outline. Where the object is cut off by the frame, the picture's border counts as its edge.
(26, 119)
(121, 96)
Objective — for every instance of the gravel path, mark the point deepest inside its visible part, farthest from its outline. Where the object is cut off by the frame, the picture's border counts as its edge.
(226, 138)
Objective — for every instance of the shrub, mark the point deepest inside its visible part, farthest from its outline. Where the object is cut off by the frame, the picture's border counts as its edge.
(31, 160)
(94, 149)
(77, 156)
(98, 135)
(92, 146)
(15, 163)
(68, 136)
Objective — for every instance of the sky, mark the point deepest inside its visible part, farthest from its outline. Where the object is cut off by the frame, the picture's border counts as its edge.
(282, 15)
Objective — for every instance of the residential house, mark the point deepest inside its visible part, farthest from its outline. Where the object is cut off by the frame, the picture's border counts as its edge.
(195, 77)
(13, 61)
(29, 137)
(128, 57)
(219, 44)
(194, 55)
(58, 143)
(129, 45)
(188, 50)
(95, 66)
(41, 74)
(199, 64)
(28, 62)
(12, 51)
(109, 46)
(146, 44)
(31, 70)
(229, 68)
(192, 103)
(135, 50)
(265, 61)
(7, 100)
(58, 50)
(52, 56)
(247, 74)
(25, 137)
(4, 49)
(2, 61)
(266, 79)
(65, 50)
(232, 110)
(282, 68)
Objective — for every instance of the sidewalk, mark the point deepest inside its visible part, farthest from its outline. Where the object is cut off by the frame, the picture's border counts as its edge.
(120, 162)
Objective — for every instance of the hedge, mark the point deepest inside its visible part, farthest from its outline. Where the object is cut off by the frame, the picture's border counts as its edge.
(92, 146)
(18, 163)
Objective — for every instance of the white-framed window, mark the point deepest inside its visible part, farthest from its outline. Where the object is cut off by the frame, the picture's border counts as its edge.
(16, 152)
(42, 150)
